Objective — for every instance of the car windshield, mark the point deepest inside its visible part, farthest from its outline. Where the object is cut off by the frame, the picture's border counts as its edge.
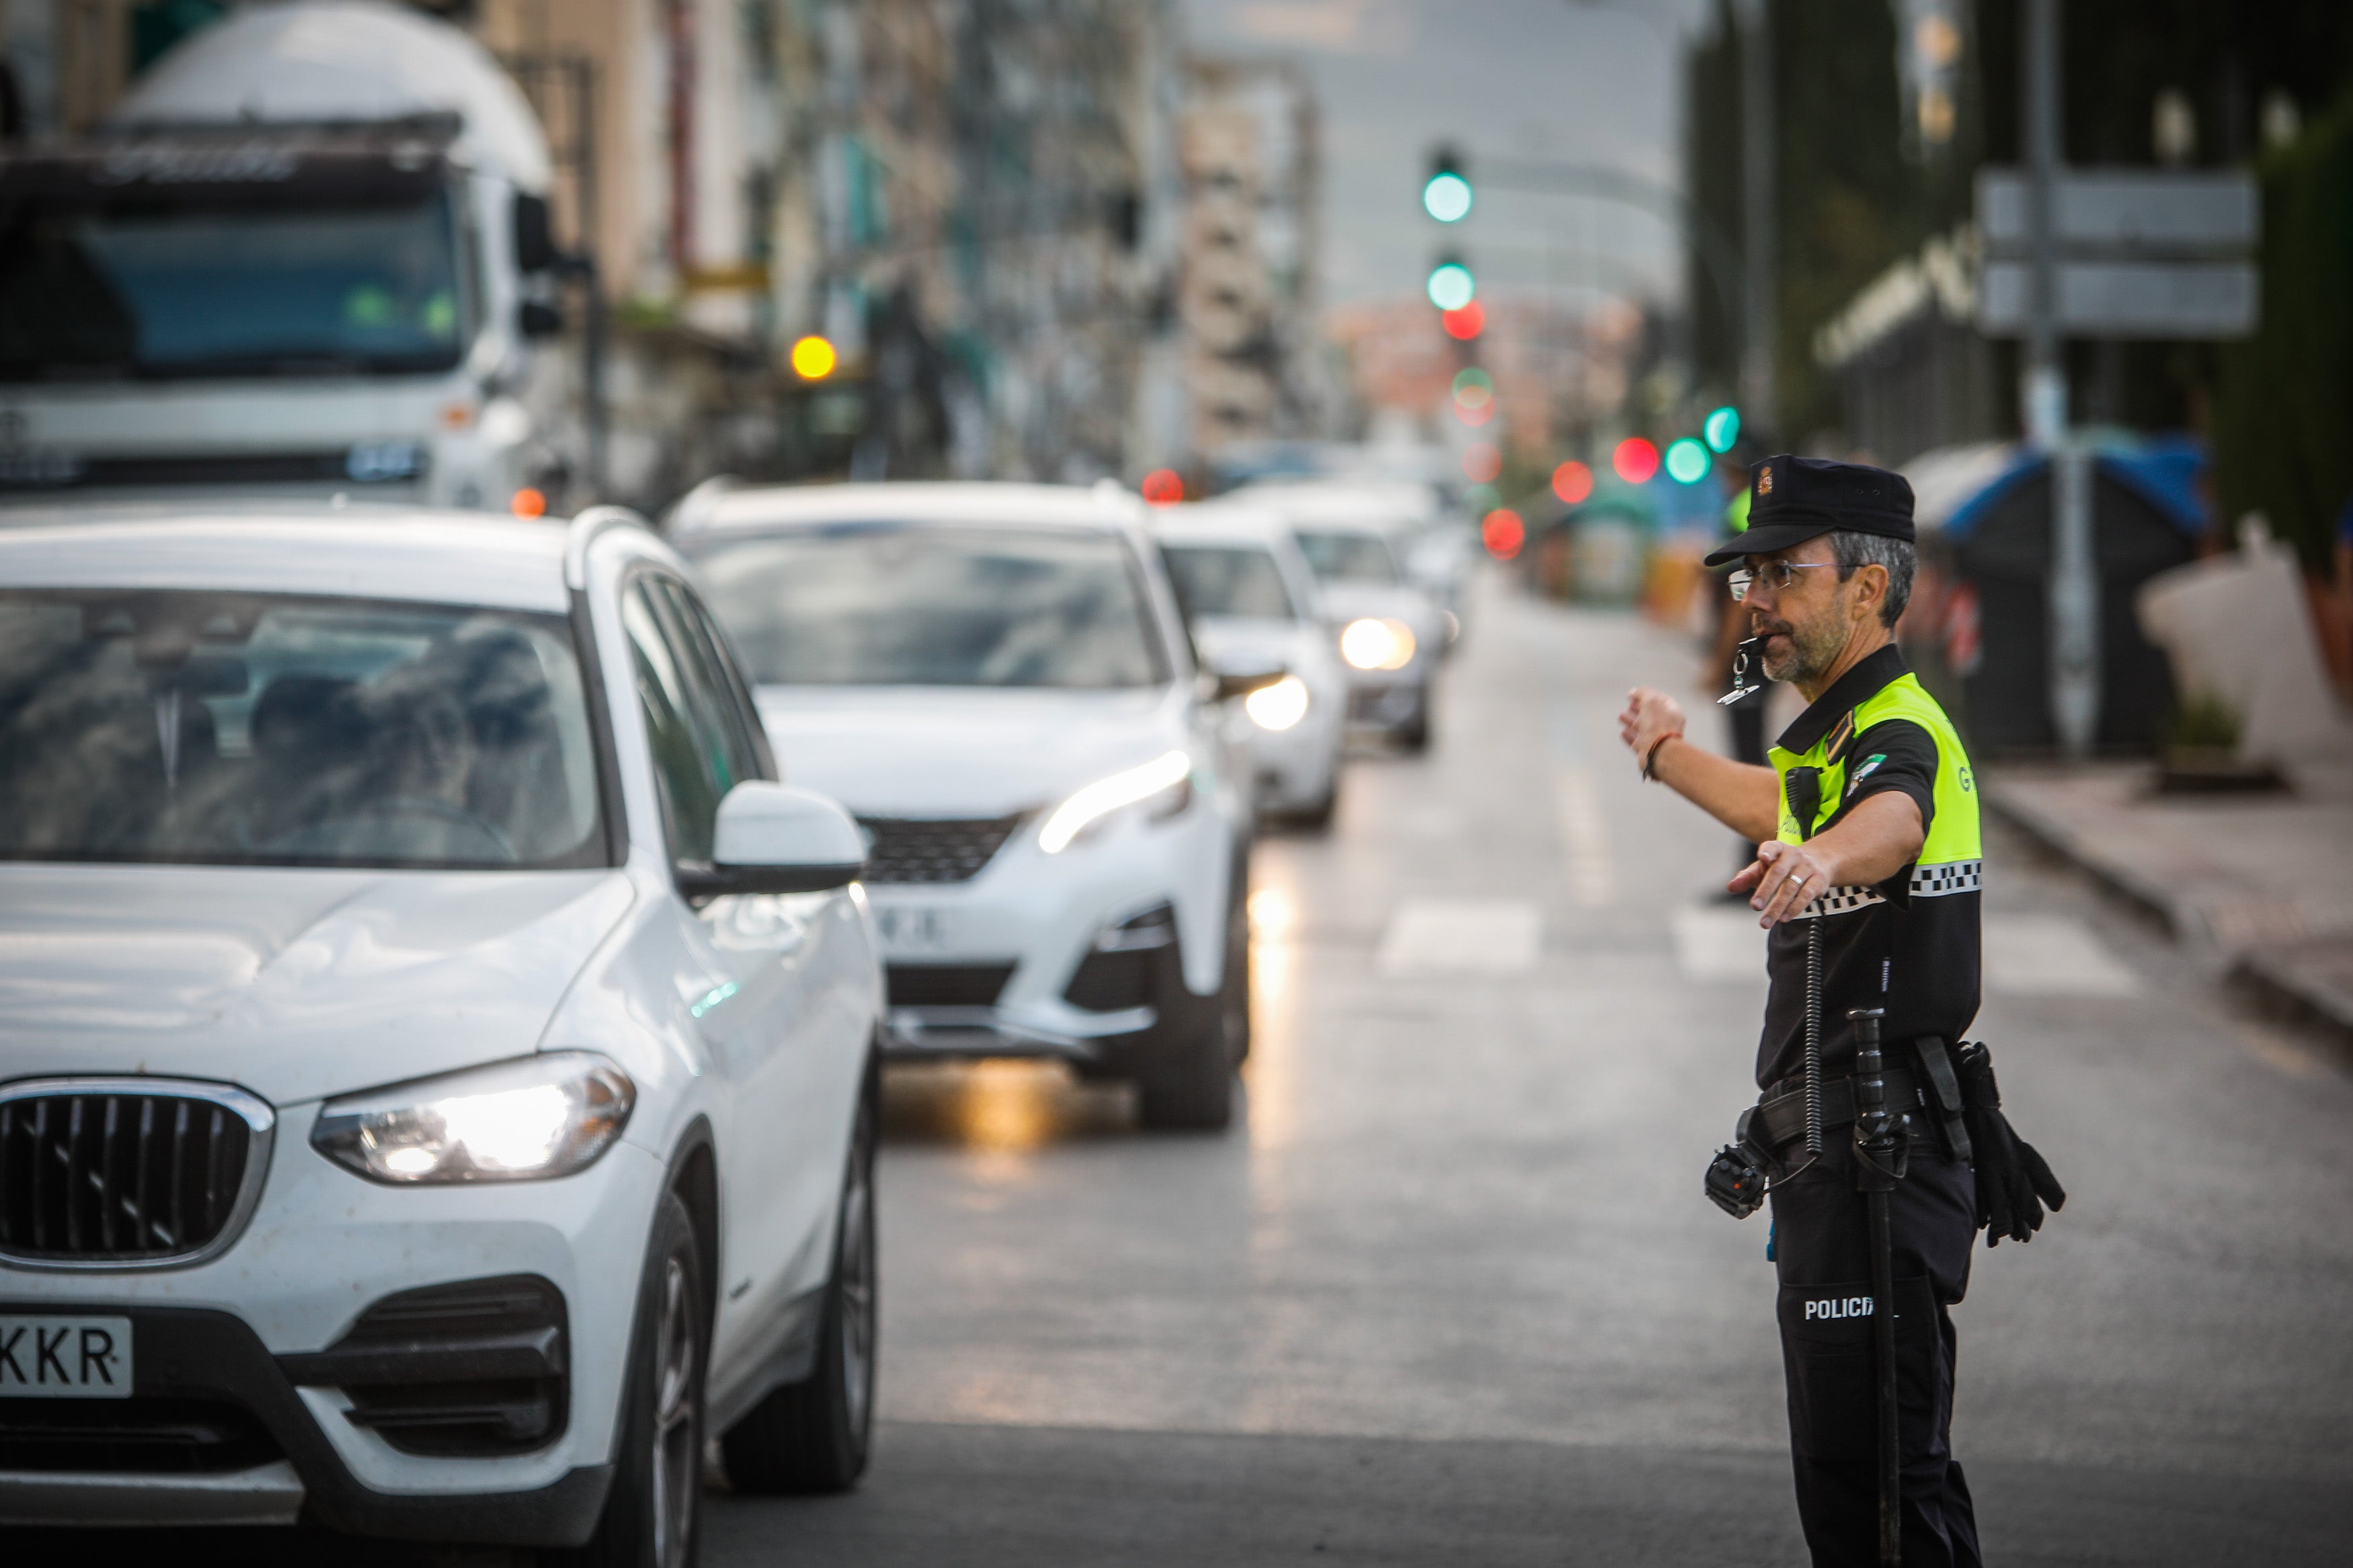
(1238, 580)
(1346, 556)
(185, 291)
(908, 605)
(264, 730)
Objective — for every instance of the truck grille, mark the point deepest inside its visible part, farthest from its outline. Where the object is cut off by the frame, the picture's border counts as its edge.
(924, 849)
(115, 1173)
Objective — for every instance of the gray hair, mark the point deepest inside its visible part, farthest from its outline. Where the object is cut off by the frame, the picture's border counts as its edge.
(1854, 550)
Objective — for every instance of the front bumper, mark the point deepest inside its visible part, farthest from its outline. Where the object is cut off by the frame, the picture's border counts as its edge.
(187, 1353)
(248, 1331)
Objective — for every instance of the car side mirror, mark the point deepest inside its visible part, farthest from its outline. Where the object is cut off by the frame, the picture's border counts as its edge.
(537, 318)
(1242, 681)
(776, 839)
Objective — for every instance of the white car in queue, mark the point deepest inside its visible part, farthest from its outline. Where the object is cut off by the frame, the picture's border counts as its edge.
(437, 1054)
(995, 678)
(1251, 600)
(1391, 634)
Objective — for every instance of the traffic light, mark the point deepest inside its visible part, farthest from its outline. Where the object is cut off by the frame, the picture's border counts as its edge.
(1688, 461)
(814, 358)
(1450, 284)
(1446, 196)
(1635, 460)
(1720, 428)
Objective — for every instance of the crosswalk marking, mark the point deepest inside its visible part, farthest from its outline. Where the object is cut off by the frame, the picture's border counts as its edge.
(1462, 936)
(1585, 834)
(2025, 954)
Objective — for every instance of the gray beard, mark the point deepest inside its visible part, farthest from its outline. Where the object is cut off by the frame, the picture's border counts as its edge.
(1804, 663)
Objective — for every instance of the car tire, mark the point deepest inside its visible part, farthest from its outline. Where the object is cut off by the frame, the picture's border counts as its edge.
(812, 1437)
(1413, 735)
(653, 1515)
(1319, 816)
(1193, 1090)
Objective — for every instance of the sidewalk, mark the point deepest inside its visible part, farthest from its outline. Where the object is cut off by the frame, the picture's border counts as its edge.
(2256, 888)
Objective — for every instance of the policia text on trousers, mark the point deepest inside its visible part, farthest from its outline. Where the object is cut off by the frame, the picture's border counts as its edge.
(1872, 1213)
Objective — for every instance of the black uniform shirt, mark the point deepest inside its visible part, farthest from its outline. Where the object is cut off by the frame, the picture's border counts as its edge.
(1910, 944)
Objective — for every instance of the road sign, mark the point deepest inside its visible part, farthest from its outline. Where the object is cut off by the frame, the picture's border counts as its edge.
(2194, 299)
(2129, 212)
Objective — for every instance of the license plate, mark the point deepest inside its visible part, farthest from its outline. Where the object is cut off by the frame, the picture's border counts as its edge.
(65, 1358)
(914, 928)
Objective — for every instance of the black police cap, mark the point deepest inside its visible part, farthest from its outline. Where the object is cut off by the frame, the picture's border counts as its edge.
(1792, 499)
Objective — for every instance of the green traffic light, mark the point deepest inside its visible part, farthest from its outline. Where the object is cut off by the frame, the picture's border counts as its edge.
(1722, 429)
(1447, 197)
(1688, 461)
(1451, 285)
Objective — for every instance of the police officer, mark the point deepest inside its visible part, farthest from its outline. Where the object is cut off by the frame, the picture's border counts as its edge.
(1866, 875)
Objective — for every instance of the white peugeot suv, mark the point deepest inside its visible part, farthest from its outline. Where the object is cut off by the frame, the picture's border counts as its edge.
(437, 1062)
(996, 678)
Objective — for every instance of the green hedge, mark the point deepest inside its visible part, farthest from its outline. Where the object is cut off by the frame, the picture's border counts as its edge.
(2282, 417)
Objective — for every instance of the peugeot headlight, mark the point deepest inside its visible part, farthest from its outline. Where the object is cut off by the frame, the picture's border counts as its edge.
(1279, 706)
(1168, 776)
(516, 1122)
(1382, 644)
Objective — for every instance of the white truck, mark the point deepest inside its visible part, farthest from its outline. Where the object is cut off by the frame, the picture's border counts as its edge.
(309, 253)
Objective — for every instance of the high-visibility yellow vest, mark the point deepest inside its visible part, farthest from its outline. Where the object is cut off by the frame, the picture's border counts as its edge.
(1953, 858)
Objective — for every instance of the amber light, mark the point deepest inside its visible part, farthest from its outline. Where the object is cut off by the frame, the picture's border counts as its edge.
(527, 502)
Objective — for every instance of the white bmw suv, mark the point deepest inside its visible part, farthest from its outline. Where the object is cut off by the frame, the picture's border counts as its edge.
(995, 677)
(437, 1062)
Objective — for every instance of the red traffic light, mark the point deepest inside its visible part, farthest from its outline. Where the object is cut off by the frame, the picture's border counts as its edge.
(1162, 486)
(1502, 533)
(1635, 460)
(1572, 482)
(1465, 323)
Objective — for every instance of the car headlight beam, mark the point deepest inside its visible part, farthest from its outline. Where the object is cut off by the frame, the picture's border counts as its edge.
(527, 1119)
(1164, 774)
(1384, 642)
(1280, 706)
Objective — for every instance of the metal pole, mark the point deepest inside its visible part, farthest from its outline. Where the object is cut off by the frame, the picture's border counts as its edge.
(1758, 240)
(2074, 603)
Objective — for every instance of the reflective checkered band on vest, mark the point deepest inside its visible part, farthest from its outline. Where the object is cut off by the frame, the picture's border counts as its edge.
(1838, 901)
(1956, 876)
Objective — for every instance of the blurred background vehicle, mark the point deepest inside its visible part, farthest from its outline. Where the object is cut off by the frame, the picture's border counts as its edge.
(996, 678)
(1251, 602)
(480, 1242)
(1390, 633)
(309, 253)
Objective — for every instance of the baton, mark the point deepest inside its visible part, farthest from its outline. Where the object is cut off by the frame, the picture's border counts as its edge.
(1877, 1138)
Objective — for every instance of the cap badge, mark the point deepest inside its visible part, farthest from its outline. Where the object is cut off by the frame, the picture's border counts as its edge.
(1764, 480)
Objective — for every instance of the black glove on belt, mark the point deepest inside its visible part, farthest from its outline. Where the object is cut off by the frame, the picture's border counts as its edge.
(2013, 1182)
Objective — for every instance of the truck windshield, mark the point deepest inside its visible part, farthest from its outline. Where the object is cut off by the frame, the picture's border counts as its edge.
(1236, 579)
(241, 729)
(893, 605)
(100, 290)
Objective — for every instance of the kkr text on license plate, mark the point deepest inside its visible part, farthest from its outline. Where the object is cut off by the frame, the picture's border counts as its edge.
(65, 1358)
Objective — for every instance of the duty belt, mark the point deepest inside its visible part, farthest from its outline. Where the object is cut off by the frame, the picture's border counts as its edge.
(1781, 1114)
(1935, 1092)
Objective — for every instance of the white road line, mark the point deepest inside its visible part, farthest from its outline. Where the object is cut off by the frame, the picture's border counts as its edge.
(2025, 954)
(1585, 834)
(1462, 936)
(2052, 955)
(1720, 942)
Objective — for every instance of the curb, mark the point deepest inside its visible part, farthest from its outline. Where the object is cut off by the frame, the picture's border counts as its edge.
(2312, 977)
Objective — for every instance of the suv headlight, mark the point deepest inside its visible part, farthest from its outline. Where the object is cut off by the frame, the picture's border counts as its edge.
(1168, 775)
(1280, 706)
(1383, 644)
(522, 1120)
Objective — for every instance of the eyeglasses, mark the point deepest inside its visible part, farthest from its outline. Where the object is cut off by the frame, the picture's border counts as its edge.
(1777, 576)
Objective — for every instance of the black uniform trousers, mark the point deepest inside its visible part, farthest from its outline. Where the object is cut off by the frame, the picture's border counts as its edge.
(1822, 1250)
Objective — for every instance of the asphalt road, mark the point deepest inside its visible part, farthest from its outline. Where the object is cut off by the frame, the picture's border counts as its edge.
(1447, 1292)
